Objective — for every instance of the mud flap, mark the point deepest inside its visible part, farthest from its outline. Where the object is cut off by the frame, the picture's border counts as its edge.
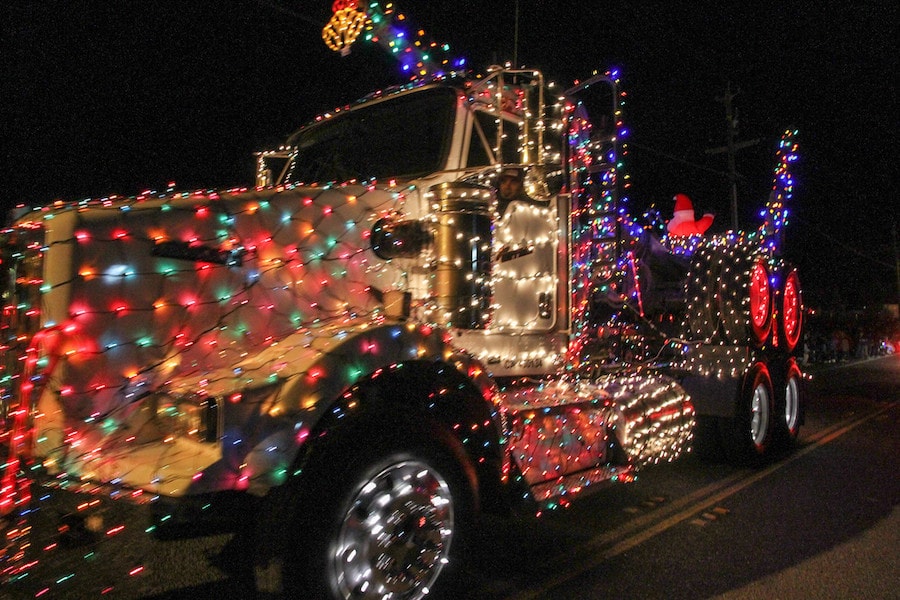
(712, 396)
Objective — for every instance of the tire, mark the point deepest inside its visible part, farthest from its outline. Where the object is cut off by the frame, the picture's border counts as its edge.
(789, 407)
(747, 438)
(384, 528)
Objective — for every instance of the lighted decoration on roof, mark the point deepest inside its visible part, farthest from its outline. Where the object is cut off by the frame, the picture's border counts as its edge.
(346, 24)
(683, 221)
(775, 214)
(418, 56)
(769, 235)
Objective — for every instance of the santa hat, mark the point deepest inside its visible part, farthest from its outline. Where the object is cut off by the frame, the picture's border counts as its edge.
(683, 222)
(684, 210)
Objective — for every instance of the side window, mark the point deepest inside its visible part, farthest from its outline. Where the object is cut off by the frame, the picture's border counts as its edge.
(478, 154)
(509, 143)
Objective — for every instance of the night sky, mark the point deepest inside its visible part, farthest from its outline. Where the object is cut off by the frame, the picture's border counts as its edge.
(108, 98)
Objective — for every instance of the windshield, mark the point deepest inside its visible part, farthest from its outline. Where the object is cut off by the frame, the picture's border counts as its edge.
(405, 136)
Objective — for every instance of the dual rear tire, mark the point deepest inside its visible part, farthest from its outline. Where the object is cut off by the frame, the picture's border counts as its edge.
(747, 436)
(768, 414)
(789, 406)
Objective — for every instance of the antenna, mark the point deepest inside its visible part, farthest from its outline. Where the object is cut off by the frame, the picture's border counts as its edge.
(515, 60)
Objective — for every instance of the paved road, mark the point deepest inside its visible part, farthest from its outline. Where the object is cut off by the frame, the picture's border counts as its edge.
(820, 523)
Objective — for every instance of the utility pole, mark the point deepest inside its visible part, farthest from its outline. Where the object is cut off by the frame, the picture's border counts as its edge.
(731, 148)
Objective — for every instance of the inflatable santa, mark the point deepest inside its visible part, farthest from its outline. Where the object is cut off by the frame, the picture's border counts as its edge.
(683, 222)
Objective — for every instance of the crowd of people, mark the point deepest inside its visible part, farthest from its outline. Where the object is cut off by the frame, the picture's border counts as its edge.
(829, 342)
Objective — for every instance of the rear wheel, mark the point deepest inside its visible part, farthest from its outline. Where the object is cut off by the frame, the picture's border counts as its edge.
(747, 437)
(789, 407)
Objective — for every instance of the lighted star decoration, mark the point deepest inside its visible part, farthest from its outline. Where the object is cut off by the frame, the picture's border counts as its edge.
(346, 24)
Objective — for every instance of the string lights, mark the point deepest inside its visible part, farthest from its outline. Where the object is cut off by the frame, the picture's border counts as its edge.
(345, 25)
(598, 188)
(418, 56)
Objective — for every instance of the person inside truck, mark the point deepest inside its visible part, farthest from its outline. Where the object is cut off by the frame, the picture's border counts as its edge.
(510, 187)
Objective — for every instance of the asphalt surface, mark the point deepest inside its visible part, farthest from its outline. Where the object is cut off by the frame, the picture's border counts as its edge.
(820, 522)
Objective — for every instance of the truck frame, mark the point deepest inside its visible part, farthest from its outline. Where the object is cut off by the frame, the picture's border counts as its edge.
(368, 352)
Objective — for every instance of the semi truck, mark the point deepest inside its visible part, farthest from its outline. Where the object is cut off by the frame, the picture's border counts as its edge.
(370, 351)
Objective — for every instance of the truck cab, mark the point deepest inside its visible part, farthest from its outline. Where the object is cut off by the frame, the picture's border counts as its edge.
(505, 295)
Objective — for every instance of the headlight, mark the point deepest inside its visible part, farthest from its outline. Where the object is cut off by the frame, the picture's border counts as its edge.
(192, 417)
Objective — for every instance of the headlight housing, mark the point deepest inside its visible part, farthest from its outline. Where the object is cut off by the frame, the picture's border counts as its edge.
(194, 417)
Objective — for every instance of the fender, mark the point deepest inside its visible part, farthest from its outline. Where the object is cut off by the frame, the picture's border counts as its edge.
(429, 401)
(342, 385)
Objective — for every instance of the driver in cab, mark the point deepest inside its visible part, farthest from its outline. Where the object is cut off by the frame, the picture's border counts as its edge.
(510, 187)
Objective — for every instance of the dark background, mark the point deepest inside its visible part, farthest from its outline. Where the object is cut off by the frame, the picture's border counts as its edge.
(108, 98)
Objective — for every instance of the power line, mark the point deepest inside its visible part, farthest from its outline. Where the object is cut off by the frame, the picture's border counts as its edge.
(840, 243)
(681, 160)
(290, 12)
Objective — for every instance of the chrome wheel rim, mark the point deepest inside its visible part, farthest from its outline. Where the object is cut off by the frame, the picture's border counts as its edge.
(792, 404)
(395, 536)
(759, 415)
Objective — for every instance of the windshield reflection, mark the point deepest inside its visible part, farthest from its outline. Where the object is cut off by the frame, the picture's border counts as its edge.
(406, 137)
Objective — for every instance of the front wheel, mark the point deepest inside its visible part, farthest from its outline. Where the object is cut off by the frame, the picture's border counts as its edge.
(394, 531)
(373, 521)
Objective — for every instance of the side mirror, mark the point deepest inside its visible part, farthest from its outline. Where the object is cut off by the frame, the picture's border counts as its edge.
(399, 239)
